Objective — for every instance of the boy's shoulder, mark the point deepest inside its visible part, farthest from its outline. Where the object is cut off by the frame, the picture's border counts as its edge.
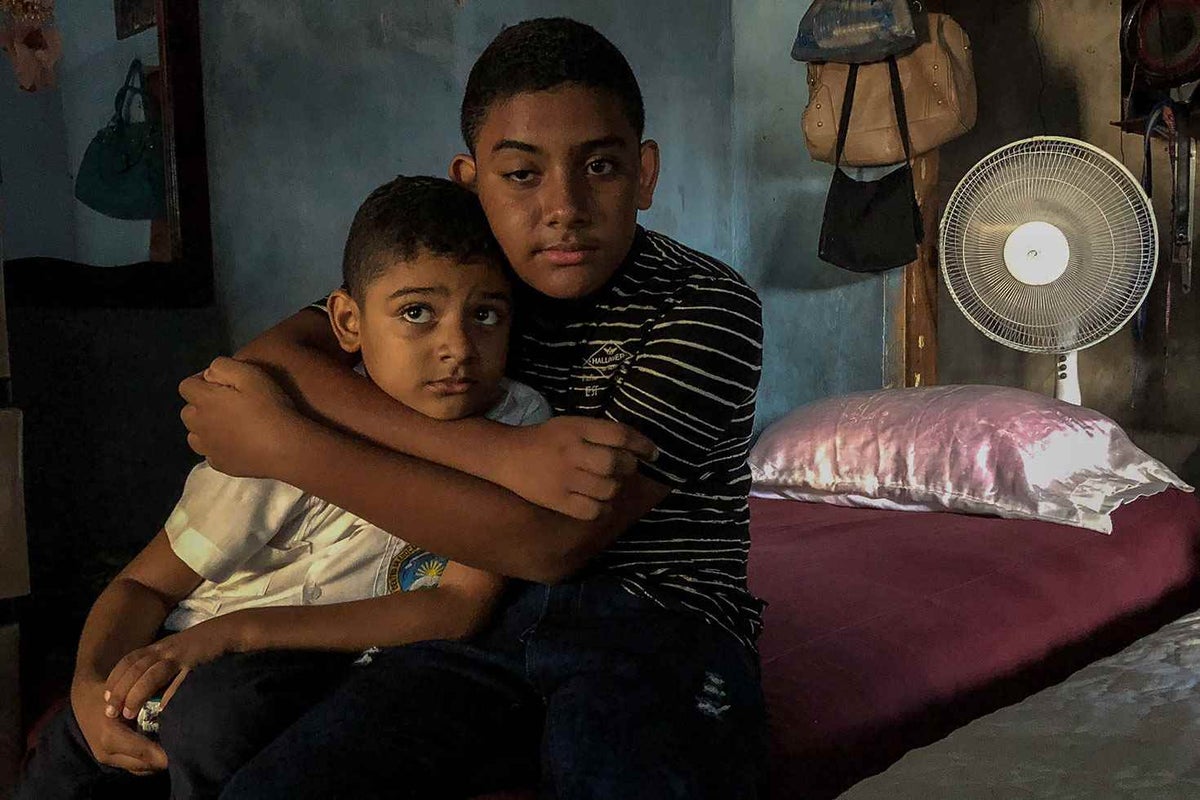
(220, 520)
(520, 404)
(688, 267)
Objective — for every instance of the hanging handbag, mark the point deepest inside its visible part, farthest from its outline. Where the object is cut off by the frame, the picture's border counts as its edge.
(121, 174)
(854, 31)
(939, 91)
(872, 226)
(1162, 40)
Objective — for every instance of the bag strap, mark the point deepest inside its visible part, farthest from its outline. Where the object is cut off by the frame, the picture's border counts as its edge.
(135, 71)
(120, 112)
(847, 104)
(902, 122)
(898, 102)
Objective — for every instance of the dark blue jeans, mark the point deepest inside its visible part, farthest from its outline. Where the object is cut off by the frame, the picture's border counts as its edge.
(601, 693)
(223, 713)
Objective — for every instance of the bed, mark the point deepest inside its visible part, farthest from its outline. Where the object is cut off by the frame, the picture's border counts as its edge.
(888, 629)
(1124, 727)
(891, 621)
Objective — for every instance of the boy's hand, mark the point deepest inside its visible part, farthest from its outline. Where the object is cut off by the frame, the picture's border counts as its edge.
(574, 465)
(141, 674)
(236, 416)
(112, 741)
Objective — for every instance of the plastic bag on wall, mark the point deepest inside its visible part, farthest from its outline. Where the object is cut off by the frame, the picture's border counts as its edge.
(854, 31)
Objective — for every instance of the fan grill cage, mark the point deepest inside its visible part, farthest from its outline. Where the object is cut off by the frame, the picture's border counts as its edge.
(1104, 214)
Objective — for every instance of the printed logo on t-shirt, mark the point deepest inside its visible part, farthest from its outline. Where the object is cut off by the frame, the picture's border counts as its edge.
(414, 568)
(607, 357)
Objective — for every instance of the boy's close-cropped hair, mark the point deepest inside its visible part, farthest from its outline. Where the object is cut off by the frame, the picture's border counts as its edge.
(411, 215)
(541, 54)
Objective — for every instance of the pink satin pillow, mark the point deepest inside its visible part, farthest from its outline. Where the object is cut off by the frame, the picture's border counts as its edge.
(972, 449)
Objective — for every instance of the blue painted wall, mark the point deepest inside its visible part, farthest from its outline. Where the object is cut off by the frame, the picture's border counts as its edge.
(35, 186)
(311, 104)
(825, 327)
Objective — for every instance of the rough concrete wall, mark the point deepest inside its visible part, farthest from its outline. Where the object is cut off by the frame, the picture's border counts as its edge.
(1069, 86)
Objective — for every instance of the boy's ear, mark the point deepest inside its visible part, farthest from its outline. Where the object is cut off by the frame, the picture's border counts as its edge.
(463, 171)
(344, 316)
(647, 174)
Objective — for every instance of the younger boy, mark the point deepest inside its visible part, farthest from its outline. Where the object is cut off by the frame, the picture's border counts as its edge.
(244, 565)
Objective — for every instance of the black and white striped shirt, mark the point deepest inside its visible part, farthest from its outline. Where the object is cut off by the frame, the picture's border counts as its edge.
(671, 346)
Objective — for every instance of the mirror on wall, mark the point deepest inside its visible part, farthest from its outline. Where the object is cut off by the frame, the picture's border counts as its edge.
(59, 143)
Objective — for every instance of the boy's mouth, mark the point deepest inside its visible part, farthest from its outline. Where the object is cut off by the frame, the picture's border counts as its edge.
(451, 386)
(567, 255)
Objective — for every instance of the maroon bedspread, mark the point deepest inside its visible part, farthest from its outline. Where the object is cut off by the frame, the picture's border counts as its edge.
(886, 630)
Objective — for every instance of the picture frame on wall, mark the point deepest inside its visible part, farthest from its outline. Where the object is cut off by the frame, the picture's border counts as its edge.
(133, 16)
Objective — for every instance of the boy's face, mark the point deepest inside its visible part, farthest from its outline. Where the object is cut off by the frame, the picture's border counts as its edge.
(561, 175)
(432, 332)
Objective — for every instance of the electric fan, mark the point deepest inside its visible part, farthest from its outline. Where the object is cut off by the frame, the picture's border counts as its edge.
(1049, 245)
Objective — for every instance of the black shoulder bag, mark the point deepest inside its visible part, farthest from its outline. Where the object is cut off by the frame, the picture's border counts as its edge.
(872, 226)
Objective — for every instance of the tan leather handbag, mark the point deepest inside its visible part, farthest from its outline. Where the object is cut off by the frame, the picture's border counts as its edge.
(939, 96)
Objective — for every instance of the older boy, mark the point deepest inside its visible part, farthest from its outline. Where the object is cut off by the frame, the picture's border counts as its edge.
(634, 674)
(248, 565)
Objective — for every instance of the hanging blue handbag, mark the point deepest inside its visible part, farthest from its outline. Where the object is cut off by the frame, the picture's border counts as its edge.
(121, 174)
(855, 31)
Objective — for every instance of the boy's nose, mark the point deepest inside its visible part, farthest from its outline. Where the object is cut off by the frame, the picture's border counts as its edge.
(566, 201)
(457, 344)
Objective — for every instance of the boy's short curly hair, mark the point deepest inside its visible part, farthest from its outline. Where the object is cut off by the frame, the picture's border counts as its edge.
(541, 54)
(411, 215)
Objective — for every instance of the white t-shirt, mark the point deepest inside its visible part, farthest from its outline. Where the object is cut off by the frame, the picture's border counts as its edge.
(260, 542)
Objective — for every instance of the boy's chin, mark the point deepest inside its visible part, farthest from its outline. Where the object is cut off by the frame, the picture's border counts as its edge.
(450, 408)
(567, 283)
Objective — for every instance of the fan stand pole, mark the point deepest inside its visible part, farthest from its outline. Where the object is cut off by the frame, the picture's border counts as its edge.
(1066, 384)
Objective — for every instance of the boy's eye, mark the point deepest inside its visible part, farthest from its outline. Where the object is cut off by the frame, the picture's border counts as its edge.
(488, 316)
(418, 314)
(601, 166)
(519, 175)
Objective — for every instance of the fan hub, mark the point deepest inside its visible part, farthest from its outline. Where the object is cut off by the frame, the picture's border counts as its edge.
(1036, 253)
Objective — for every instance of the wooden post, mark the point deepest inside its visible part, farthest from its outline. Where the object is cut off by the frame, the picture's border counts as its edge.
(184, 150)
(921, 282)
(911, 358)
